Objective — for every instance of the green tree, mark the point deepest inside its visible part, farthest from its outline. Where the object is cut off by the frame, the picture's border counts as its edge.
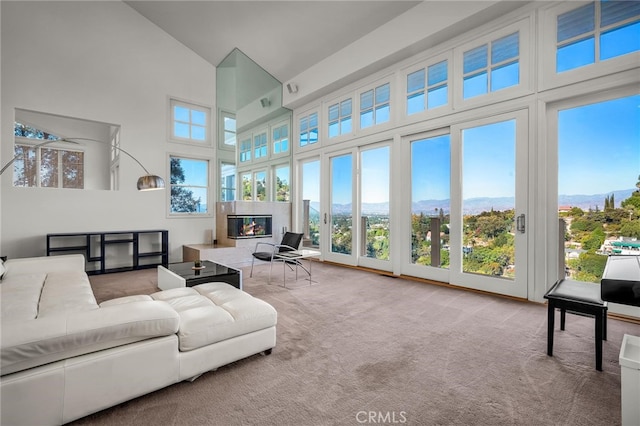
(182, 199)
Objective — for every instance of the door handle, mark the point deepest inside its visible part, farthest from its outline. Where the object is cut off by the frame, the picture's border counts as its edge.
(521, 223)
(325, 218)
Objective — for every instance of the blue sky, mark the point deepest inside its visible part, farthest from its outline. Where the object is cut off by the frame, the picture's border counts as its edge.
(599, 147)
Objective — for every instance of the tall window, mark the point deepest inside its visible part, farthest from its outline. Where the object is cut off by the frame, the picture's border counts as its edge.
(599, 184)
(340, 120)
(46, 166)
(434, 80)
(596, 32)
(280, 137)
(491, 67)
(430, 201)
(374, 106)
(309, 129)
(260, 185)
(190, 123)
(282, 186)
(227, 181)
(189, 185)
(260, 145)
(247, 189)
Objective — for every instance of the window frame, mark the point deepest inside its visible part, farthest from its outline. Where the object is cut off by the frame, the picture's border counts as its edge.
(210, 203)
(296, 147)
(272, 141)
(524, 86)
(222, 131)
(548, 78)
(192, 106)
(245, 148)
(375, 105)
(326, 122)
(274, 181)
(424, 65)
(263, 147)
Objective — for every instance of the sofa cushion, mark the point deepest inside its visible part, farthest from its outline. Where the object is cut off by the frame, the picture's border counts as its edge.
(213, 312)
(35, 342)
(19, 296)
(65, 292)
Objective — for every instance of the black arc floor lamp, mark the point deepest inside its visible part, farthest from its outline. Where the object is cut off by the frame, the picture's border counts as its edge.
(146, 182)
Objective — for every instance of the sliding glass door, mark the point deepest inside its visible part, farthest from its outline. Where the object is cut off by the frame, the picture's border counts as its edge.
(489, 205)
(358, 219)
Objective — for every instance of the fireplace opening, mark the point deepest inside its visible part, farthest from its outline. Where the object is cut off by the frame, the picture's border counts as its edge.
(248, 226)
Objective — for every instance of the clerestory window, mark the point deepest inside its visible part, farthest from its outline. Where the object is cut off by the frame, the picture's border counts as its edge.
(308, 129)
(492, 66)
(427, 88)
(596, 32)
(340, 119)
(375, 106)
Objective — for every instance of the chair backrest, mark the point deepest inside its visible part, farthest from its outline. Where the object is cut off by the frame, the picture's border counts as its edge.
(290, 239)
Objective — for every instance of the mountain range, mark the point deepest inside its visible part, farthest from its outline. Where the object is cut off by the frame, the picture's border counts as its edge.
(478, 205)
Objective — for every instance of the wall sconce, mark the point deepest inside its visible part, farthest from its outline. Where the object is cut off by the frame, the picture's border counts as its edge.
(265, 102)
(292, 88)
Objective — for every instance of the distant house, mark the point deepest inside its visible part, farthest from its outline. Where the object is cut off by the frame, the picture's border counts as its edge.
(564, 209)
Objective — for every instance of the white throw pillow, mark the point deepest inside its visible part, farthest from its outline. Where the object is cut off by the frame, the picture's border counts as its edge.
(2, 269)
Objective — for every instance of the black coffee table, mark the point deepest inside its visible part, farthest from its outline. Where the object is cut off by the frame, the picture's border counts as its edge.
(184, 274)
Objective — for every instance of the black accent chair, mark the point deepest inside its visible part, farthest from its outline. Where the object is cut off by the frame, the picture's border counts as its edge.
(290, 242)
(581, 298)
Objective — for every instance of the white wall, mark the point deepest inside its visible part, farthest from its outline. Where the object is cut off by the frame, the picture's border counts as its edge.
(98, 61)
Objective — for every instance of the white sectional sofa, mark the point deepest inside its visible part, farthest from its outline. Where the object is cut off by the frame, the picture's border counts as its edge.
(63, 356)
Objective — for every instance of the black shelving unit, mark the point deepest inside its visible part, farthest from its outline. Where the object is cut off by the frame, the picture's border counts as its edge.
(93, 240)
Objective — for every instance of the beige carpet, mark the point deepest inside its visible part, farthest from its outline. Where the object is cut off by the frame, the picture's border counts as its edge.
(361, 348)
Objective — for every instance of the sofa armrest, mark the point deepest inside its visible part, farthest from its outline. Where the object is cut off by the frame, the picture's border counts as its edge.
(27, 344)
(45, 264)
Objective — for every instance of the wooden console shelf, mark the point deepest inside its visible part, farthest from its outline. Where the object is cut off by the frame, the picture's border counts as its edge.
(93, 245)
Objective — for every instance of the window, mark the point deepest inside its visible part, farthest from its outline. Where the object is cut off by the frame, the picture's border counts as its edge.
(247, 190)
(189, 185)
(340, 118)
(245, 150)
(374, 106)
(430, 201)
(45, 166)
(491, 67)
(282, 186)
(308, 129)
(280, 137)
(190, 123)
(260, 185)
(228, 130)
(436, 77)
(227, 181)
(614, 24)
(260, 145)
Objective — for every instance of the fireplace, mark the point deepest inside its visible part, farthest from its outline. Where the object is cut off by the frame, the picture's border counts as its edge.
(248, 226)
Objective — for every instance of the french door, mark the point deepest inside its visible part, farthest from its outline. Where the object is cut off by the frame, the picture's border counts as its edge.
(358, 212)
(488, 226)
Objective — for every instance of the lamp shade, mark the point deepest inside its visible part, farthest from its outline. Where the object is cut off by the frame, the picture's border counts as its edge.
(150, 182)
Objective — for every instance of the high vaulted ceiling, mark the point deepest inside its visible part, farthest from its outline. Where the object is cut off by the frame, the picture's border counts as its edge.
(284, 37)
